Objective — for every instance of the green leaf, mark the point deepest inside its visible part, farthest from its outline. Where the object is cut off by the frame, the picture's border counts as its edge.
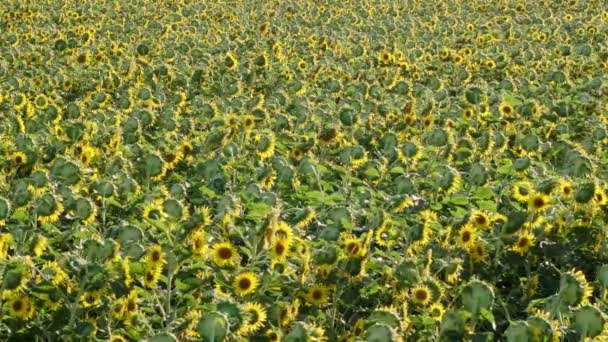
(166, 337)
(213, 327)
(459, 200)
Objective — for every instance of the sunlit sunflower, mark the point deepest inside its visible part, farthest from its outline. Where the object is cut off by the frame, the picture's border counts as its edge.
(153, 211)
(566, 189)
(317, 295)
(479, 219)
(19, 158)
(524, 241)
(49, 209)
(198, 243)
(522, 190)
(599, 197)
(225, 254)
(352, 246)
(538, 201)
(505, 109)
(20, 307)
(117, 338)
(272, 335)
(231, 61)
(436, 311)
(248, 122)
(91, 299)
(151, 277)
(421, 295)
(254, 317)
(279, 250)
(155, 257)
(245, 283)
(467, 236)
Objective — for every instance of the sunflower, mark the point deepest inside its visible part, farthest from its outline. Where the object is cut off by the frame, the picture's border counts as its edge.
(297, 153)
(185, 149)
(171, 159)
(317, 295)
(91, 299)
(279, 250)
(41, 101)
(40, 245)
(521, 191)
(198, 241)
(352, 246)
(302, 66)
(565, 188)
(130, 305)
(266, 146)
(272, 335)
(20, 307)
(255, 316)
(49, 209)
(305, 219)
(245, 283)
(505, 109)
(19, 158)
(538, 201)
(421, 295)
(155, 257)
(457, 59)
(249, 122)
(284, 232)
(153, 211)
(467, 236)
(524, 241)
(385, 57)
(468, 113)
(478, 251)
(231, 61)
(479, 219)
(436, 311)
(117, 338)
(599, 197)
(151, 277)
(225, 254)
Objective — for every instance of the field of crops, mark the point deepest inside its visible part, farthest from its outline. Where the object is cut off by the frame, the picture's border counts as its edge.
(303, 170)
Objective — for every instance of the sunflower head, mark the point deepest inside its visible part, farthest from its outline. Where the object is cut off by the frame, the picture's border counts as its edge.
(245, 283)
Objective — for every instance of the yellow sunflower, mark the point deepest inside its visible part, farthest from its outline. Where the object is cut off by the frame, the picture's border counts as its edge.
(317, 295)
(225, 254)
(245, 283)
(20, 307)
(524, 241)
(421, 295)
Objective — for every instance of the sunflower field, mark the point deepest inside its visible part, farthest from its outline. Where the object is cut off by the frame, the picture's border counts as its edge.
(357, 170)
